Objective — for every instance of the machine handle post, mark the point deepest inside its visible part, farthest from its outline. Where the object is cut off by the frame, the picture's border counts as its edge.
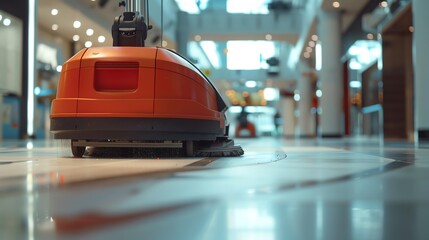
(133, 6)
(129, 6)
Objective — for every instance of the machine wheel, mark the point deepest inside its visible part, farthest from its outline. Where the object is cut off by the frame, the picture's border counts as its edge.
(189, 148)
(77, 151)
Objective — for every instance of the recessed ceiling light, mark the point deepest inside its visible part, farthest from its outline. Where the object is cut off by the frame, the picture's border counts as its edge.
(76, 38)
(384, 4)
(336, 4)
(411, 29)
(370, 36)
(101, 39)
(314, 37)
(76, 24)
(7, 22)
(250, 84)
(197, 38)
(307, 55)
(311, 44)
(268, 37)
(54, 27)
(89, 31)
(54, 11)
(88, 44)
(164, 43)
(1, 17)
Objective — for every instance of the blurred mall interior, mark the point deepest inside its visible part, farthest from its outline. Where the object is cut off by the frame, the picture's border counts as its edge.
(326, 68)
(326, 97)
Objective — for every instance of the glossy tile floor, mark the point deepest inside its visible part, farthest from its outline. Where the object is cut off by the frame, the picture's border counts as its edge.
(280, 189)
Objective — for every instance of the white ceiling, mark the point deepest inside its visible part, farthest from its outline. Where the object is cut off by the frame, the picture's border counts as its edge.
(65, 18)
(350, 9)
(100, 19)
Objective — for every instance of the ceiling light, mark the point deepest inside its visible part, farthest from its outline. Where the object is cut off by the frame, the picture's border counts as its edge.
(307, 55)
(89, 31)
(7, 22)
(411, 29)
(268, 37)
(296, 95)
(164, 43)
(384, 4)
(54, 27)
(76, 24)
(250, 84)
(88, 44)
(370, 36)
(309, 49)
(59, 68)
(37, 91)
(76, 38)
(197, 38)
(336, 4)
(54, 12)
(311, 44)
(314, 37)
(271, 94)
(1, 17)
(101, 39)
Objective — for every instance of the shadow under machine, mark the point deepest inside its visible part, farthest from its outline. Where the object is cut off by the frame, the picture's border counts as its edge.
(141, 97)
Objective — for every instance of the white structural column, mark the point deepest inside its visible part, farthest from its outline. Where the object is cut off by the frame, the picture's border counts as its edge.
(330, 75)
(305, 122)
(421, 71)
(182, 34)
(1, 118)
(287, 111)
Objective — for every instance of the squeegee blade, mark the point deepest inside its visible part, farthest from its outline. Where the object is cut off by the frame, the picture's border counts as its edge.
(222, 148)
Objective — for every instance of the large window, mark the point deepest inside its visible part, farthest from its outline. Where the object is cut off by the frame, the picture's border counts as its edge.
(10, 53)
(249, 55)
(232, 6)
(247, 6)
(192, 6)
(363, 53)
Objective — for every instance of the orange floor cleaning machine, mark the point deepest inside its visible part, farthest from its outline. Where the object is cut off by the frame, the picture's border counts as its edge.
(132, 96)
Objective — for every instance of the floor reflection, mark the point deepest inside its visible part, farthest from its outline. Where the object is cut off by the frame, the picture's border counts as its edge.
(250, 221)
(317, 192)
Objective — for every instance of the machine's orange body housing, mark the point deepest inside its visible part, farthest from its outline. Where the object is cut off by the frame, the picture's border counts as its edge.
(135, 93)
